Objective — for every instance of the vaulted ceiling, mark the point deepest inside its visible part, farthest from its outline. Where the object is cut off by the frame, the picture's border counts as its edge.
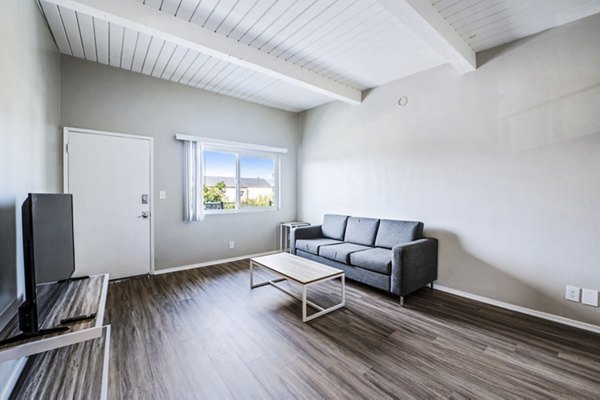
(484, 24)
(295, 54)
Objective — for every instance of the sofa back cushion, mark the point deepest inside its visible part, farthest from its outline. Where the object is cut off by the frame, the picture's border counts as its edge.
(334, 226)
(391, 232)
(361, 231)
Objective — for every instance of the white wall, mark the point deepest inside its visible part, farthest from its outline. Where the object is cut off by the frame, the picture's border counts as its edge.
(30, 141)
(95, 96)
(502, 165)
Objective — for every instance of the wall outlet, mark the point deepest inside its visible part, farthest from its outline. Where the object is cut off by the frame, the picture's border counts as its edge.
(162, 195)
(573, 293)
(231, 244)
(590, 297)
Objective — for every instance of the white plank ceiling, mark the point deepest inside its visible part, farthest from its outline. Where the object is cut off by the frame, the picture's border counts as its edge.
(484, 24)
(354, 42)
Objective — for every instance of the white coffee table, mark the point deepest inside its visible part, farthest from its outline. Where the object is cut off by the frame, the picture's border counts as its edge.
(302, 271)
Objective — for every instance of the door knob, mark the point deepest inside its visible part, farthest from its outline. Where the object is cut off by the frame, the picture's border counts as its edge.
(145, 215)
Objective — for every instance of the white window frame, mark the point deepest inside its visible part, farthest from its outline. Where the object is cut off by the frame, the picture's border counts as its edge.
(239, 150)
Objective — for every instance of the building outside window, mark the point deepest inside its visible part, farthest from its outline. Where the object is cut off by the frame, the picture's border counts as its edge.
(236, 180)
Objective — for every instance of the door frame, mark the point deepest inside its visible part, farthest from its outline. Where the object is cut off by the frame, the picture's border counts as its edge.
(150, 140)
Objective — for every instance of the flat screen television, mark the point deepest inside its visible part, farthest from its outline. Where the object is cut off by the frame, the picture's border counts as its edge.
(48, 236)
(48, 253)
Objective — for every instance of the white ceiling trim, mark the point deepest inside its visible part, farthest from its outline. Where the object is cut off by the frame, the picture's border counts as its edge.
(427, 23)
(149, 21)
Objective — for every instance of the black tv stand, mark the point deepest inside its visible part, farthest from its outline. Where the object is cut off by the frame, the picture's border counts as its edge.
(28, 324)
(78, 318)
(79, 278)
(29, 335)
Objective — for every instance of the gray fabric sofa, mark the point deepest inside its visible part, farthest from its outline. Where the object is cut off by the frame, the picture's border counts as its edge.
(387, 254)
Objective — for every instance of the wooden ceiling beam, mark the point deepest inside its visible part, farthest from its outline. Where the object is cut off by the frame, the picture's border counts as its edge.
(426, 22)
(136, 16)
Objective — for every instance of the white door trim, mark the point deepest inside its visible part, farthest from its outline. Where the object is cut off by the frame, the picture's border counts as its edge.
(150, 140)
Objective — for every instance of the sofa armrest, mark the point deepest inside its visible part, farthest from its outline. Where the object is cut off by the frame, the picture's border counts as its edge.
(303, 232)
(414, 265)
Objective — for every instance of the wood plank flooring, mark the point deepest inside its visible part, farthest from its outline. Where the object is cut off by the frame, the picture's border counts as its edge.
(203, 334)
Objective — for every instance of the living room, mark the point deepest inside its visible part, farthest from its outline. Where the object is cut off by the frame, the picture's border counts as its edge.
(477, 119)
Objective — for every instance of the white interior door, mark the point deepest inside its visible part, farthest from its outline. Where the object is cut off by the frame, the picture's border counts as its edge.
(110, 179)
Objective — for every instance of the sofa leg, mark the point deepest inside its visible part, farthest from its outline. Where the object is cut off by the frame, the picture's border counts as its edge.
(431, 285)
(401, 301)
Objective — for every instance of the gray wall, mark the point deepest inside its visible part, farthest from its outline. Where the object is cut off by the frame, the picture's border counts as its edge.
(501, 164)
(95, 96)
(30, 143)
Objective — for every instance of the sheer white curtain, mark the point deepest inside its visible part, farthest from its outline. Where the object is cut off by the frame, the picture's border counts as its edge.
(193, 190)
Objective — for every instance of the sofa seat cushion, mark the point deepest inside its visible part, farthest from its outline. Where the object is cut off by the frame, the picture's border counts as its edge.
(312, 245)
(341, 252)
(375, 259)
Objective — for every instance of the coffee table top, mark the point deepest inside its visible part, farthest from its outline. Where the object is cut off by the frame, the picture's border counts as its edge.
(297, 268)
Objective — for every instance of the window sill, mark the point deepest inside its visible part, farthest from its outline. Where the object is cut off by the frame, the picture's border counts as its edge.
(240, 211)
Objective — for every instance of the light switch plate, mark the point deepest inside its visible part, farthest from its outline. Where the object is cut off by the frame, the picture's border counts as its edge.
(590, 297)
(162, 195)
(573, 293)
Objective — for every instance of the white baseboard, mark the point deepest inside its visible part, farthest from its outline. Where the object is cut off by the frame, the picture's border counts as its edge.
(523, 310)
(209, 263)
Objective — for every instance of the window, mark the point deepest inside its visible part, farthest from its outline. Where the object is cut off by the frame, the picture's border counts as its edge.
(237, 180)
(257, 181)
(219, 180)
(227, 177)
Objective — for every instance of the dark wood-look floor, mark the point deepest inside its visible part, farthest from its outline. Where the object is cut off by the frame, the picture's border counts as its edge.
(203, 334)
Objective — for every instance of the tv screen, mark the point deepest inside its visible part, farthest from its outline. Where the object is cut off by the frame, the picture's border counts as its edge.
(48, 227)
